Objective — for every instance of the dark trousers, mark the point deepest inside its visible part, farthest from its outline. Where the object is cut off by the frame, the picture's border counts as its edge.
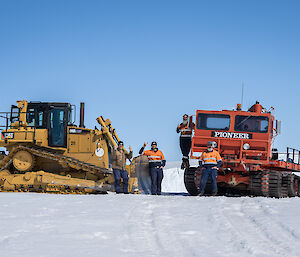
(118, 174)
(185, 145)
(212, 173)
(156, 179)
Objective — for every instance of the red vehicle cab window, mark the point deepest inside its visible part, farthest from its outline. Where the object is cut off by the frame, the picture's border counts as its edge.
(213, 121)
(251, 123)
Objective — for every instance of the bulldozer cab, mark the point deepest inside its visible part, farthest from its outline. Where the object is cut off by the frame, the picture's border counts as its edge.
(51, 116)
(54, 117)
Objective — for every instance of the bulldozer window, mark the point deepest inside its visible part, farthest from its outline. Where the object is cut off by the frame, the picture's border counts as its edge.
(31, 118)
(40, 118)
(57, 127)
(213, 121)
(14, 114)
(35, 118)
(251, 123)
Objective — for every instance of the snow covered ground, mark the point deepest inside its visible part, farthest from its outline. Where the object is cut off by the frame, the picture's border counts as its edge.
(44, 225)
(143, 225)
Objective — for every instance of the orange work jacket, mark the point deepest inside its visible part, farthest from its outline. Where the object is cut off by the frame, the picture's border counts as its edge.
(210, 158)
(154, 156)
(186, 130)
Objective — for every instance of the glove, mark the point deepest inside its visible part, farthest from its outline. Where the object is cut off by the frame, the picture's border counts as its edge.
(219, 164)
(200, 164)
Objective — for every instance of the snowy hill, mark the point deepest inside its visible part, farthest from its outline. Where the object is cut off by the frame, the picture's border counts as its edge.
(173, 177)
(173, 180)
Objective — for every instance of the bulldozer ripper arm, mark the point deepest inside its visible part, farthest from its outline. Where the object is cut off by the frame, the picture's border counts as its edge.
(109, 132)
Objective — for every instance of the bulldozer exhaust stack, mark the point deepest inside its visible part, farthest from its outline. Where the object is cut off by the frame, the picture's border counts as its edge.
(81, 122)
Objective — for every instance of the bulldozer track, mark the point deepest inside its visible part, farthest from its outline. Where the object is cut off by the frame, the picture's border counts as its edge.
(62, 159)
(54, 189)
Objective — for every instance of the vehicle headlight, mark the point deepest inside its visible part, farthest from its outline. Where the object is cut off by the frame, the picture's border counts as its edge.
(246, 146)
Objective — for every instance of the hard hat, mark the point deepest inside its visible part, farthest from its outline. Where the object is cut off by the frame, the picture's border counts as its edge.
(120, 142)
(209, 143)
(153, 143)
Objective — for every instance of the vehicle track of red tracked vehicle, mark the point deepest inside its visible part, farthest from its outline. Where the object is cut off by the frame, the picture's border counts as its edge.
(244, 140)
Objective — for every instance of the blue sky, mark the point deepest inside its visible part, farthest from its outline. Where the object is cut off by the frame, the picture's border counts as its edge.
(145, 63)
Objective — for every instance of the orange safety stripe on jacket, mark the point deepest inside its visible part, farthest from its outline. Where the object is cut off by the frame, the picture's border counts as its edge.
(210, 157)
(186, 130)
(154, 156)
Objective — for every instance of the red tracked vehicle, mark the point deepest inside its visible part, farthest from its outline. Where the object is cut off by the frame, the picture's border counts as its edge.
(244, 140)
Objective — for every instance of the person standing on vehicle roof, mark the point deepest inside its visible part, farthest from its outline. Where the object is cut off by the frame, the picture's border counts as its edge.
(185, 140)
(156, 163)
(210, 161)
(119, 156)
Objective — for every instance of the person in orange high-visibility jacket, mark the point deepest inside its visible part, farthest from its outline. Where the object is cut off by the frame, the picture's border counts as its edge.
(156, 163)
(210, 160)
(185, 128)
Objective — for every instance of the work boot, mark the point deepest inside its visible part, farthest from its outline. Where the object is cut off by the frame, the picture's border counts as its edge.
(201, 193)
(182, 165)
(187, 163)
(214, 193)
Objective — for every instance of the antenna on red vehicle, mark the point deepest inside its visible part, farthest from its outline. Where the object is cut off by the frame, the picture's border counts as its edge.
(242, 95)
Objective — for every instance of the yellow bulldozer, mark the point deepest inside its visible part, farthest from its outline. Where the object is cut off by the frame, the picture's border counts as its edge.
(47, 152)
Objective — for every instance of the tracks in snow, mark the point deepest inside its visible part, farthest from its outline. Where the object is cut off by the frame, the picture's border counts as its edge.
(253, 229)
(208, 226)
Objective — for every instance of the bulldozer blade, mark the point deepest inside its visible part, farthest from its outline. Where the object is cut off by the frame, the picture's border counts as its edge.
(143, 174)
